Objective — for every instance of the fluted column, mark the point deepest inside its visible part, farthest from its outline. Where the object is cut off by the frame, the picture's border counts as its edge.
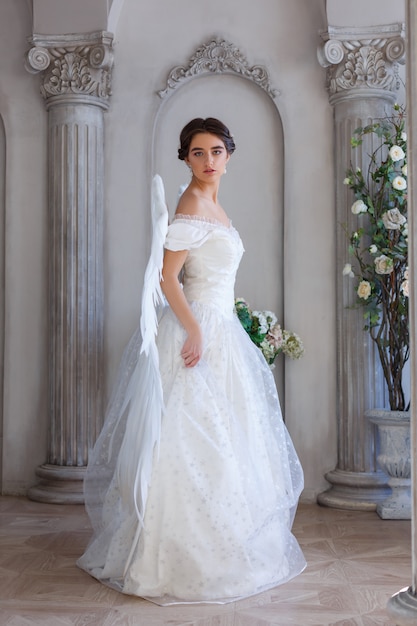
(75, 84)
(362, 81)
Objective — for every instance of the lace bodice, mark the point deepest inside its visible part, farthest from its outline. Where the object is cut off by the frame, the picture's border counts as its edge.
(215, 251)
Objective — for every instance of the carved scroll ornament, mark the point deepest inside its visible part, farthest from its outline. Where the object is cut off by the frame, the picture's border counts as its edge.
(371, 63)
(83, 69)
(220, 57)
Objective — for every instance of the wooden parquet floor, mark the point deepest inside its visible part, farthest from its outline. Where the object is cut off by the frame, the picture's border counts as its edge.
(356, 561)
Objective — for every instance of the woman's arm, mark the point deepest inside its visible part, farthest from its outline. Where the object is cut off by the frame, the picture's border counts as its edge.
(193, 347)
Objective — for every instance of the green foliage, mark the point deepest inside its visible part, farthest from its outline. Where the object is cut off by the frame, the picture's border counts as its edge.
(265, 332)
(379, 244)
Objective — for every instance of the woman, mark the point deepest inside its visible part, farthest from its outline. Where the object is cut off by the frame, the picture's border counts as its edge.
(214, 522)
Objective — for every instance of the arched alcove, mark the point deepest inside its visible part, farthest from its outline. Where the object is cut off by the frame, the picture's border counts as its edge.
(252, 192)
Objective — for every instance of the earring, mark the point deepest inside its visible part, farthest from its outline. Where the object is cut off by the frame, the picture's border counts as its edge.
(225, 171)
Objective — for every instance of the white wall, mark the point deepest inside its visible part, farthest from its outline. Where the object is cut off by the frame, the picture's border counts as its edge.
(363, 13)
(24, 406)
(74, 16)
(150, 39)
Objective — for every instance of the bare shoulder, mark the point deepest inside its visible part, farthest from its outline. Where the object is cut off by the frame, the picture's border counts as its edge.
(190, 203)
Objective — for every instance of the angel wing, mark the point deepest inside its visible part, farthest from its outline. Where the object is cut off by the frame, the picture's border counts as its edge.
(120, 465)
(143, 402)
(152, 294)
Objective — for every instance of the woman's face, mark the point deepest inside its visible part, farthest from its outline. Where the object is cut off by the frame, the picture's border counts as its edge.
(207, 156)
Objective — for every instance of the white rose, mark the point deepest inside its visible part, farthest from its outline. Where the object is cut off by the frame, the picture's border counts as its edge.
(359, 207)
(393, 219)
(364, 289)
(346, 181)
(404, 136)
(373, 249)
(404, 169)
(404, 288)
(396, 153)
(263, 324)
(271, 318)
(399, 183)
(347, 270)
(383, 264)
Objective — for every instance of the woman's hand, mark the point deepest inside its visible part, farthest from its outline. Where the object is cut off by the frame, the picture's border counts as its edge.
(192, 349)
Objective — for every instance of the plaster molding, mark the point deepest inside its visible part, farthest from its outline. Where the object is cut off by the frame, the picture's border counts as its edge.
(360, 33)
(73, 65)
(218, 56)
(362, 58)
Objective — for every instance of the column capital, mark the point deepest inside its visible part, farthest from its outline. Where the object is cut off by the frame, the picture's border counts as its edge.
(74, 67)
(362, 62)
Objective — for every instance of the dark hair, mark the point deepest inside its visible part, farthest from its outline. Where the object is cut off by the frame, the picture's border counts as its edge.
(208, 125)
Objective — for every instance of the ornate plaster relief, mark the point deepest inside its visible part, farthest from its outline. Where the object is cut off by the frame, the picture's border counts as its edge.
(221, 57)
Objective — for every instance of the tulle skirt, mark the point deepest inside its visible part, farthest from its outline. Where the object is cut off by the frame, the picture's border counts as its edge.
(225, 480)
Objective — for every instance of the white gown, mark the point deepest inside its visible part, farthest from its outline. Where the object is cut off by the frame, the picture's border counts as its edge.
(224, 478)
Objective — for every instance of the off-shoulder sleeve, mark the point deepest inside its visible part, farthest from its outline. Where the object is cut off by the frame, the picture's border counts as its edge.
(185, 236)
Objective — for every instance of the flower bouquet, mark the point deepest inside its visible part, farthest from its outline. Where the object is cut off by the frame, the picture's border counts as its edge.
(265, 332)
(379, 245)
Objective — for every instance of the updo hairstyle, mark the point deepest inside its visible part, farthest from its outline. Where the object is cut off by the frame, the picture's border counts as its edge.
(208, 125)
